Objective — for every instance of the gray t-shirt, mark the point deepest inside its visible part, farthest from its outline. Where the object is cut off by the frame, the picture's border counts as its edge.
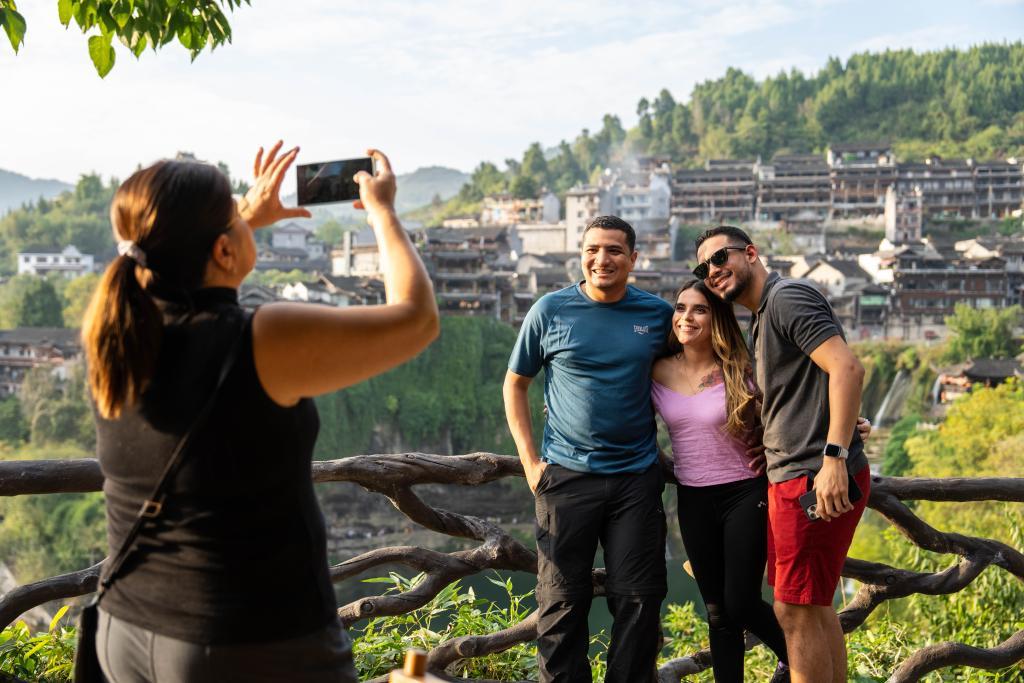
(794, 319)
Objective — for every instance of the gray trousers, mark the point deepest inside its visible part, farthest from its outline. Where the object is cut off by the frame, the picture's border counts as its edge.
(132, 654)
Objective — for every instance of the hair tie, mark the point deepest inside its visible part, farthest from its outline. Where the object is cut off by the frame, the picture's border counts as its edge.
(131, 250)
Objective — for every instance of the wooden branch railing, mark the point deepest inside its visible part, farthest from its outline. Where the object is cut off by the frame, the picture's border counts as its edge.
(394, 476)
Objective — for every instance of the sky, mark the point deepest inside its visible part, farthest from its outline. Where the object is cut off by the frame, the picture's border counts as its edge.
(445, 82)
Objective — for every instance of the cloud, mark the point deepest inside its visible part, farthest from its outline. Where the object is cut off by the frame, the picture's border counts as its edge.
(450, 81)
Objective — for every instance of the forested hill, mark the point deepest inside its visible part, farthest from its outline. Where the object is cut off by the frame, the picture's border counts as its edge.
(16, 189)
(951, 102)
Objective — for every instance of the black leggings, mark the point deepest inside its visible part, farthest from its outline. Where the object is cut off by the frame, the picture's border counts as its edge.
(725, 531)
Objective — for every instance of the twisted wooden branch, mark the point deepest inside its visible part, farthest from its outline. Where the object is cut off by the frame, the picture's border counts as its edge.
(882, 582)
(953, 489)
(394, 475)
(928, 537)
(469, 647)
(941, 655)
(439, 570)
(24, 598)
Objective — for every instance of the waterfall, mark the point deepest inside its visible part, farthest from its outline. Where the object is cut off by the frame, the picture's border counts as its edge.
(892, 404)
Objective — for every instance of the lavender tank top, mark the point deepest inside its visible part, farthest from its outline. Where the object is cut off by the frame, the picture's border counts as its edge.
(702, 452)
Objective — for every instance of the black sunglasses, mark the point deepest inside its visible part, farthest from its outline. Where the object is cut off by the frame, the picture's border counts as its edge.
(717, 259)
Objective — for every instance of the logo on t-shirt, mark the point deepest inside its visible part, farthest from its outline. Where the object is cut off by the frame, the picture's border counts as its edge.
(641, 329)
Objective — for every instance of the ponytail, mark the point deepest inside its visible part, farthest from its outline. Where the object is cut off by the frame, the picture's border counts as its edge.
(121, 336)
(171, 213)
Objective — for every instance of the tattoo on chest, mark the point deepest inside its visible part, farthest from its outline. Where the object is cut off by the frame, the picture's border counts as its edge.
(711, 379)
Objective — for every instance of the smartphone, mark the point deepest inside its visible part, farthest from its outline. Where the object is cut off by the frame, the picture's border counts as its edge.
(330, 181)
(809, 500)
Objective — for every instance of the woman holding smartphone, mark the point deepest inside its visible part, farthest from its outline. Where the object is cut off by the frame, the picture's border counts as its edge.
(703, 389)
(229, 577)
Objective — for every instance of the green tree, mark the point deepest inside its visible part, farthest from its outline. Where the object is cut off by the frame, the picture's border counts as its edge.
(137, 24)
(896, 461)
(57, 411)
(13, 428)
(982, 333)
(77, 296)
(29, 301)
(330, 232)
(80, 217)
(535, 166)
(524, 187)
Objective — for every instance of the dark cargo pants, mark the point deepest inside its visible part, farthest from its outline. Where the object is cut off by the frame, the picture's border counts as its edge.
(624, 513)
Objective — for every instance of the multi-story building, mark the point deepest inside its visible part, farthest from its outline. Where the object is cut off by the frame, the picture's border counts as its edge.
(582, 205)
(641, 200)
(998, 187)
(68, 262)
(24, 348)
(725, 190)
(504, 209)
(1008, 249)
(793, 185)
(927, 288)
(947, 186)
(471, 271)
(543, 238)
(859, 175)
(904, 218)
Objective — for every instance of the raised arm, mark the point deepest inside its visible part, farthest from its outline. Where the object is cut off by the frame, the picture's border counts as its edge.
(517, 412)
(845, 383)
(304, 350)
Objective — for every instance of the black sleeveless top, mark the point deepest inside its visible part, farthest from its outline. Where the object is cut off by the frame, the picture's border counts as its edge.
(238, 554)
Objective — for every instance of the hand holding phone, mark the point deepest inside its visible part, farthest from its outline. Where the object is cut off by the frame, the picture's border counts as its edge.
(330, 182)
(809, 500)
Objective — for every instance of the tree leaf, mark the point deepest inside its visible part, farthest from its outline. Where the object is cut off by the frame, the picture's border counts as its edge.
(57, 617)
(140, 44)
(64, 11)
(102, 54)
(14, 25)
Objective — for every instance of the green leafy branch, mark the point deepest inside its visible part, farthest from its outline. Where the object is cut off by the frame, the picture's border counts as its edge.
(137, 24)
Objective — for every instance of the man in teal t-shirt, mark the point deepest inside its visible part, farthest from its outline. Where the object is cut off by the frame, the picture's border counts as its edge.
(597, 478)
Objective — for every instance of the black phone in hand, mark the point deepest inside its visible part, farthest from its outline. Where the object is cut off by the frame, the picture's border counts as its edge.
(330, 182)
(809, 500)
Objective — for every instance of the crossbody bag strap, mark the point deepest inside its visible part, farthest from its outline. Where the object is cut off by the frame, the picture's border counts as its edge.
(153, 505)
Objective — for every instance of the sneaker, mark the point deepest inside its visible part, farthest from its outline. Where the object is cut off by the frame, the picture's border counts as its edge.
(781, 674)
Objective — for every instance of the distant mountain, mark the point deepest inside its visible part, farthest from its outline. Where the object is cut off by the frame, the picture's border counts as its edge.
(419, 188)
(415, 189)
(16, 189)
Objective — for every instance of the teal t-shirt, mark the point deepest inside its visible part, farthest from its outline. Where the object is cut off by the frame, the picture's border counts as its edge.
(597, 362)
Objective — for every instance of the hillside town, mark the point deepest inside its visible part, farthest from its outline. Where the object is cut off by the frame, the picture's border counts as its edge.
(817, 217)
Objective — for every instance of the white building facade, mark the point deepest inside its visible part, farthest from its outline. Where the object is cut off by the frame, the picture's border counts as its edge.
(69, 262)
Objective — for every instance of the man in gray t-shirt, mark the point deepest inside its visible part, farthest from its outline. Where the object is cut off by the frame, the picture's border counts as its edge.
(812, 385)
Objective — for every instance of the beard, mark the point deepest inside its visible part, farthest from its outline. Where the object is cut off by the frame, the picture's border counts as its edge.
(742, 280)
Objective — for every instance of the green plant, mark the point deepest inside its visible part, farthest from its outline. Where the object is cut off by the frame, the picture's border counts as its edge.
(43, 657)
(453, 613)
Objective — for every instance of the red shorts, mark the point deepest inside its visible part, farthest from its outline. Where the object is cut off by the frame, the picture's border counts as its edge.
(805, 558)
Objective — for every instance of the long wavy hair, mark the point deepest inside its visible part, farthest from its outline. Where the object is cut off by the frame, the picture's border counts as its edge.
(174, 211)
(730, 351)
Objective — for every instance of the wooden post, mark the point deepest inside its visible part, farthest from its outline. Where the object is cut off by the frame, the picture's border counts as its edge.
(415, 669)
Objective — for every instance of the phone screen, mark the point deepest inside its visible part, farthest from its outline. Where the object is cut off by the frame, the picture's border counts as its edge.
(330, 181)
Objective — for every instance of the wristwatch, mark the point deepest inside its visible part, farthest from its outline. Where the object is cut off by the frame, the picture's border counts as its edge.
(834, 450)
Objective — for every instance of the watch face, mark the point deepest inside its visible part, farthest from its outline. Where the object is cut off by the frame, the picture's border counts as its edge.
(834, 451)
